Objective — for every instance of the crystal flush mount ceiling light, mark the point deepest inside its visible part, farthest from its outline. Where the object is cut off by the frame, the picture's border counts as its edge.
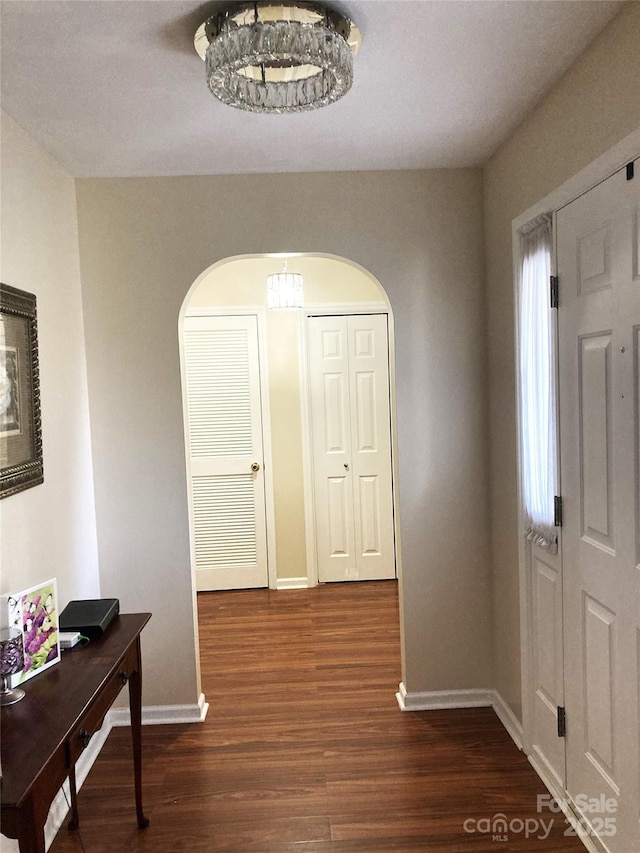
(278, 58)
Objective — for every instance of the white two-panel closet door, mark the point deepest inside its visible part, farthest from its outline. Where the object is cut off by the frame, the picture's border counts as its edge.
(351, 425)
(226, 455)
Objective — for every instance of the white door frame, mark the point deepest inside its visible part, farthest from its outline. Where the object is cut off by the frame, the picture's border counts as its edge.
(616, 158)
(307, 444)
(260, 313)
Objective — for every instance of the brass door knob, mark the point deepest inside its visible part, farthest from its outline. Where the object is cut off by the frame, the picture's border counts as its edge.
(255, 466)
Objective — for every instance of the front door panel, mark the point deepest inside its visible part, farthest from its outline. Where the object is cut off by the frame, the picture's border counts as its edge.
(599, 314)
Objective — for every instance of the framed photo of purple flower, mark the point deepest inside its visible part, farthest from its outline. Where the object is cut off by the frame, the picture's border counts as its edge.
(34, 613)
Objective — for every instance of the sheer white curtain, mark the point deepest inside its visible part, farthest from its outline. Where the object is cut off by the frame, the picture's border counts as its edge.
(537, 385)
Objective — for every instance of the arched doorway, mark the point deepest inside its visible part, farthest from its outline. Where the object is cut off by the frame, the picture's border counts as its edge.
(283, 452)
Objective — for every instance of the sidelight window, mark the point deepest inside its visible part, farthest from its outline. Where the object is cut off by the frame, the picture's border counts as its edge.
(538, 421)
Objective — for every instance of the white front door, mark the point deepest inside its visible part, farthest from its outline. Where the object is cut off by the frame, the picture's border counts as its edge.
(598, 241)
(546, 593)
(226, 454)
(351, 426)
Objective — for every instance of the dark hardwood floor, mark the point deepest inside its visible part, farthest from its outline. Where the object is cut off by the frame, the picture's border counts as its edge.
(305, 749)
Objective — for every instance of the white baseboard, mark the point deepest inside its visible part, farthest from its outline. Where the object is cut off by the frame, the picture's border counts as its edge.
(292, 583)
(153, 715)
(508, 719)
(547, 776)
(436, 700)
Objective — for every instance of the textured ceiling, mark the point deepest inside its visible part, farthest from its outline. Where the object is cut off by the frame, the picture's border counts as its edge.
(114, 87)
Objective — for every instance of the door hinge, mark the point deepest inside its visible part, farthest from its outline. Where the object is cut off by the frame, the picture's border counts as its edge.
(630, 170)
(562, 722)
(555, 291)
(557, 511)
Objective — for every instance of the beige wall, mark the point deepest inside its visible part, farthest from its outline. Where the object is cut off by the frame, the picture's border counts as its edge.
(143, 242)
(49, 530)
(596, 104)
(242, 282)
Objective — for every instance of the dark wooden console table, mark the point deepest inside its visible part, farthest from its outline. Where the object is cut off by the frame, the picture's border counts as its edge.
(45, 733)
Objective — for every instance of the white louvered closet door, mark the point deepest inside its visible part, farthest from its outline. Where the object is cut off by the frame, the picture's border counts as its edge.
(225, 437)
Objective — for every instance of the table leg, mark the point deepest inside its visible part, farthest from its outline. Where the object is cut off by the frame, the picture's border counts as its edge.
(31, 831)
(32, 841)
(74, 822)
(135, 706)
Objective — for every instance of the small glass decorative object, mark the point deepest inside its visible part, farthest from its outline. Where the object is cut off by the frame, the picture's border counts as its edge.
(11, 662)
